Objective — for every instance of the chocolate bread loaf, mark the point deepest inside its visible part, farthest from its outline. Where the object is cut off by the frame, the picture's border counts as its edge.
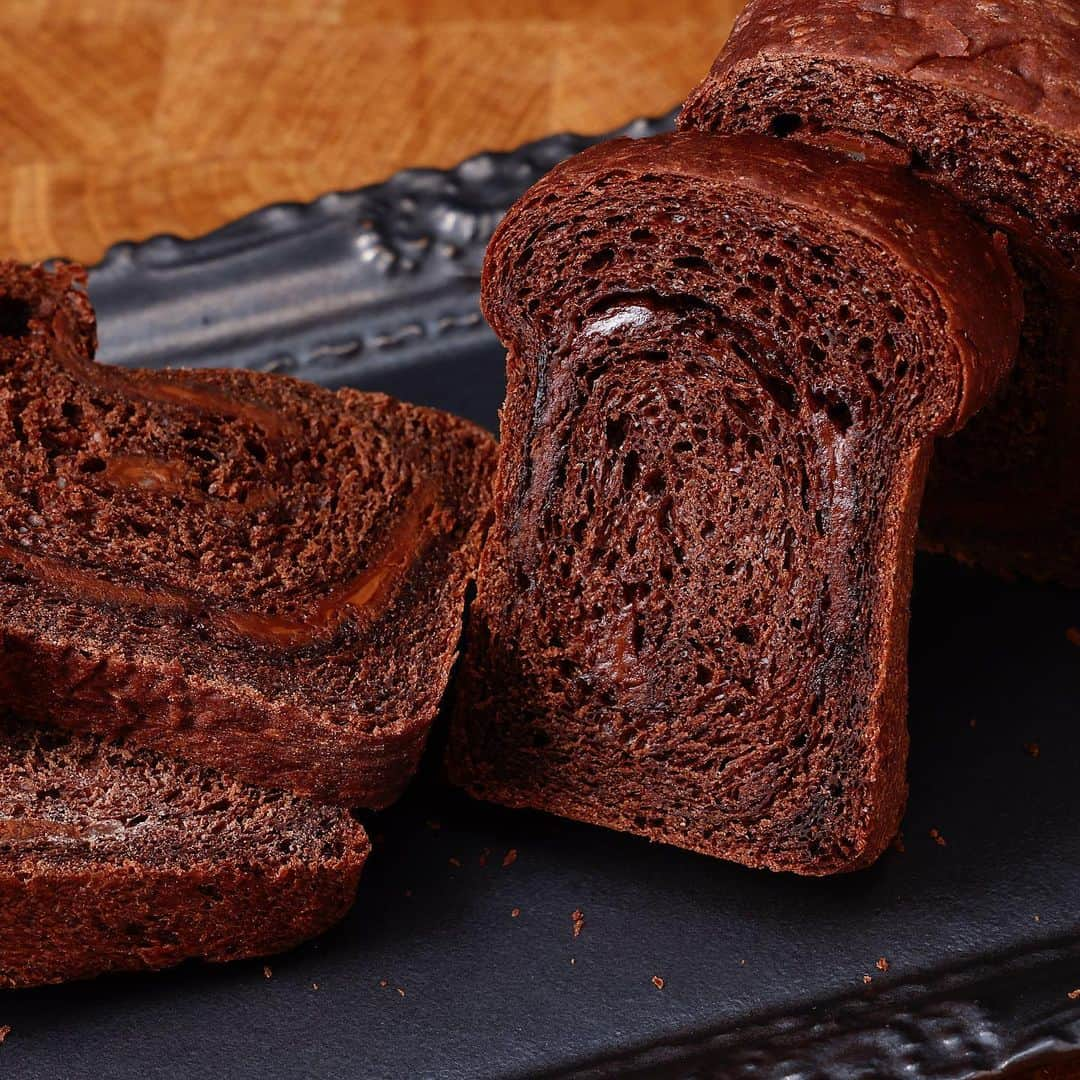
(728, 361)
(117, 860)
(241, 569)
(983, 99)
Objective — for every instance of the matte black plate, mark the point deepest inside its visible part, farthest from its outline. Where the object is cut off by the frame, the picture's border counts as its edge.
(763, 975)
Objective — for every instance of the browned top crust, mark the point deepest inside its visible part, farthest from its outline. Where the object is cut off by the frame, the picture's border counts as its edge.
(1021, 54)
(925, 230)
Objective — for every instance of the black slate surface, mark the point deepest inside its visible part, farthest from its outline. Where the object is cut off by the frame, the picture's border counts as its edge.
(763, 975)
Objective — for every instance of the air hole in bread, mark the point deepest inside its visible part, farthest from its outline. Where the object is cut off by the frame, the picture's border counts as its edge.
(15, 316)
(839, 412)
(784, 124)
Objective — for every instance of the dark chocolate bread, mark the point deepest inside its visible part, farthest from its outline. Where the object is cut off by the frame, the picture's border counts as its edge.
(120, 860)
(728, 361)
(241, 569)
(983, 99)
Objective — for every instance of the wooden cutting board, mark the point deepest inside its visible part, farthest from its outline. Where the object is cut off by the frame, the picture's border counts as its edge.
(123, 118)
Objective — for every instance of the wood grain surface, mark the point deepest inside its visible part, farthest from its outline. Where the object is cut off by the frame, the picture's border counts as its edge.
(123, 118)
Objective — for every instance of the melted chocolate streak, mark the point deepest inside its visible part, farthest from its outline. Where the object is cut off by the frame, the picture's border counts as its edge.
(760, 355)
(35, 829)
(359, 597)
(633, 311)
(154, 474)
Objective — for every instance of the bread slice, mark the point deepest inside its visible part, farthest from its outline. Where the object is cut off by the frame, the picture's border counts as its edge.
(728, 361)
(113, 859)
(243, 570)
(983, 99)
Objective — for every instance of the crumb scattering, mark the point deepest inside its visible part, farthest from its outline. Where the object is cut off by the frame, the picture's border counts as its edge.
(267, 972)
(937, 838)
(5, 1031)
(515, 912)
(454, 861)
(1032, 748)
(658, 982)
(882, 964)
(1036, 918)
(384, 983)
(510, 857)
(1074, 994)
(401, 992)
(1073, 634)
(577, 921)
(867, 979)
(314, 986)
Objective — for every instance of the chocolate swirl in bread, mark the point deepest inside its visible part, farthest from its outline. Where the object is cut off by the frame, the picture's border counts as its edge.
(119, 860)
(728, 361)
(245, 570)
(984, 100)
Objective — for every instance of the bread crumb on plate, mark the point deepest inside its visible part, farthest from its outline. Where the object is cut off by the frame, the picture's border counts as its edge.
(577, 921)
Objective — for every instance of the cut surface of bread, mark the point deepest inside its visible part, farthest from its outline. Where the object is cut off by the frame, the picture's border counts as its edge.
(984, 100)
(241, 569)
(114, 859)
(728, 361)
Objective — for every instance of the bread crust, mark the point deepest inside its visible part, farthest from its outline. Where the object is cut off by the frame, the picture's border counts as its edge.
(728, 361)
(1023, 55)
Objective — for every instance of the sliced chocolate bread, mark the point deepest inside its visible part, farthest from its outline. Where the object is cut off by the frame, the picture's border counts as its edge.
(984, 100)
(241, 569)
(728, 361)
(120, 860)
